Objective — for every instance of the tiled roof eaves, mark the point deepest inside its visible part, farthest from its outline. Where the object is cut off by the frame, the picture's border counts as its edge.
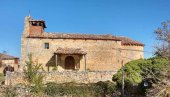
(5, 57)
(42, 37)
(125, 41)
(71, 51)
(9, 58)
(133, 44)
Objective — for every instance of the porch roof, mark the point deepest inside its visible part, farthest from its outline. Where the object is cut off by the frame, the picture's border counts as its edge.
(70, 51)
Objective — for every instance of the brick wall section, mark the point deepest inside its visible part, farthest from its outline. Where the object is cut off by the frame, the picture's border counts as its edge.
(36, 30)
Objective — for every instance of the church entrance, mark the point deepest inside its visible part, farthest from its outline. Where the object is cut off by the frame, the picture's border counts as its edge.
(69, 63)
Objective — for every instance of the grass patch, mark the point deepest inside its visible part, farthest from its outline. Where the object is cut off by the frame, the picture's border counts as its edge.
(2, 77)
(1, 74)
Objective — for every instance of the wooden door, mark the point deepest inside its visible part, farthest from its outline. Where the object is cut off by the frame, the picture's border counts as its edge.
(69, 63)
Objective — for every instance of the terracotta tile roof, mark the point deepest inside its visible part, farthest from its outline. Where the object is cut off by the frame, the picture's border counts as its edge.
(74, 36)
(36, 20)
(128, 41)
(5, 56)
(70, 51)
(124, 40)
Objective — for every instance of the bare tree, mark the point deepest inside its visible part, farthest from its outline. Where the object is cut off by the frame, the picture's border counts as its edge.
(163, 36)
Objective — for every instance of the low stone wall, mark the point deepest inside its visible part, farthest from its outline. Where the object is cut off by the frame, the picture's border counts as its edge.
(79, 77)
(68, 76)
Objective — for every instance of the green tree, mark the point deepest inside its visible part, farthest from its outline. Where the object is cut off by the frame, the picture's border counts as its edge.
(138, 70)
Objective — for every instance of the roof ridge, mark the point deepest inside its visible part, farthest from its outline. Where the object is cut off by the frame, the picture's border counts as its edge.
(124, 40)
(128, 41)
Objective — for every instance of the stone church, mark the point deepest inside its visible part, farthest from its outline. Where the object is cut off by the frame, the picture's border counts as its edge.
(78, 52)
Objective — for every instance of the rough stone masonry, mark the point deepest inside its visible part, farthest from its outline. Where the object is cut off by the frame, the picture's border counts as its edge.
(64, 52)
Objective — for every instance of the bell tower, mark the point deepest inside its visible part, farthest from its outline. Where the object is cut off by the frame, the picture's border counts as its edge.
(36, 27)
(33, 27)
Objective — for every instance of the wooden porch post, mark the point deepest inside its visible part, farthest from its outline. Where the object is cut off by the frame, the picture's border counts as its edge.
(85, 61)
(56, 61)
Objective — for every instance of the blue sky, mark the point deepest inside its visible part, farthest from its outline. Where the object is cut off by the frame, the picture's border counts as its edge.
(136, 19)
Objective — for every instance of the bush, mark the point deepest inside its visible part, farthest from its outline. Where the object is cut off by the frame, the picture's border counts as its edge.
(105, 88)
(34, 77)
(10, 92)
(138, 70)
(80, 90)
(132, 73)
(51, 89)
(154, 67)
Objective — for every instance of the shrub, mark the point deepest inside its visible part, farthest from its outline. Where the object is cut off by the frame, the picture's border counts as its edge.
(138, 70)
(10, 92)
(154, 68)
(80, 90)
(51, 89)
(132, 73)
(105, 88)
(34, 77)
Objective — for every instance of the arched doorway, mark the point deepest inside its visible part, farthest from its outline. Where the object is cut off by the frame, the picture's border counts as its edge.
(69, 62)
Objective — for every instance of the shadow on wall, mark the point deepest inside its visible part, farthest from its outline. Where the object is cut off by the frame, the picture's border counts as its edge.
(51, 63)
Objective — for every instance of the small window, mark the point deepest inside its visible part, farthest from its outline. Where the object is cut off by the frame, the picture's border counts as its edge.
(46, 45)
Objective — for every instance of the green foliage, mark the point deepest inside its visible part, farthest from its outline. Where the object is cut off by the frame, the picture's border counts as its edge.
(154, 67)
(51, 88)
(2, 78)
(136, 71)
(1, 74)
(38, 86)
(76, 90)
(34, 77)
(80, 90)
(31, 70)
(132, 73)
(105, 88)
(10, 92)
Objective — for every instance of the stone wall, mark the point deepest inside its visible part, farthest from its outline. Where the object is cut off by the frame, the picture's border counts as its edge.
(129, 53)
(100, 55)
(68, 76)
